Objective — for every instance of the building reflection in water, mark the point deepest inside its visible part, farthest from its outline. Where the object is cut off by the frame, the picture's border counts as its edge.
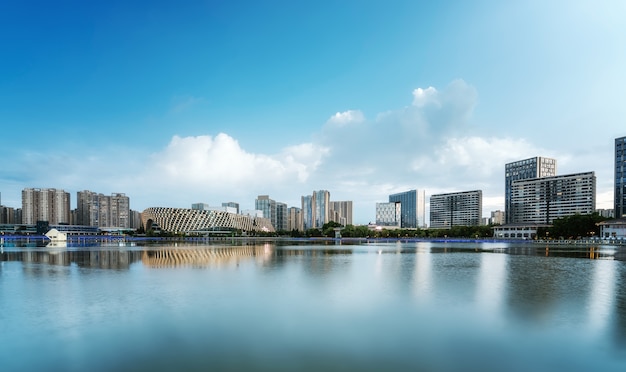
(492, 282)
(601, 297)
(318, 262)
(620, 310)
(205, 257)
(103, 259)
(422, 278)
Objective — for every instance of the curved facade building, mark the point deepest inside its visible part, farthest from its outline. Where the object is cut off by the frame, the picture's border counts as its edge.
(181, 220)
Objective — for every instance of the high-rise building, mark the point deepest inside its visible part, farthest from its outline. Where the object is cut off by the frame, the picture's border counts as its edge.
(456, 209)
(389, 214)
(120, 210)
(536, 167)
(413, 207)
(135, 220)
(619, 208)
(50, 205)
(316, 209)
(321, 207)
(497, 218)
(7, 215)
(268, 207)
(307, 212)
(341, 212)
(94, 209)
(282, 218)
(294, 219)
(542, 200)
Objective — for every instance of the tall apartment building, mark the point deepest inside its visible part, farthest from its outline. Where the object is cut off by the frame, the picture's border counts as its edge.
(389, 214)
(315, 209)
(294, 220)
(413, 207)
(341, 212)
(307, 212)
(50, 205)
(536, 167)
(94, 209)
(7, 215)
(542, 200)
(619, 208)
(456, 209)
(135, 220)
(321, 202)
(497, 218)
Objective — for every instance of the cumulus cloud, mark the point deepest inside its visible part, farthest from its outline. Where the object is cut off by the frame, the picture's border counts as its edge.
(346, 117)
(423, 97)
(218, 166)
(390, 145)
(430, 143)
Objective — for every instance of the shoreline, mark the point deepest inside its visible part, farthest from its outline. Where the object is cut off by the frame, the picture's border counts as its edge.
(256, 239)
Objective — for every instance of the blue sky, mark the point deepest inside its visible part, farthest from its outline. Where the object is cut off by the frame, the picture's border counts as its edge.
(213, 101)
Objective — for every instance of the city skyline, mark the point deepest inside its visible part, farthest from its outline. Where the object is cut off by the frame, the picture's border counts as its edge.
(173, 105)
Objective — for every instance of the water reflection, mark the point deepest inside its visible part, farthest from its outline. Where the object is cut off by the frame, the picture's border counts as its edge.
(619, 310)
(402, 306)
(491, 284)
(205, 257)
(602, 297)
(422, 282)
(103, 259)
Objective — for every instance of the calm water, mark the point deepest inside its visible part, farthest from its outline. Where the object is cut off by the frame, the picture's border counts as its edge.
(396, 306)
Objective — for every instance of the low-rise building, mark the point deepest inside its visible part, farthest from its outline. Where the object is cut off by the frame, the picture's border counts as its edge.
(613, 229)
(518, 230)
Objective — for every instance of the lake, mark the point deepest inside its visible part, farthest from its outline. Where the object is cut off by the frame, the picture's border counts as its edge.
(313, 307)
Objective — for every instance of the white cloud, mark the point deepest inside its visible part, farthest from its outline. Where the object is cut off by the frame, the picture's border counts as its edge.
(423, 97)
(430, 144)
(346, 117)
(218, 168)
(483, 155)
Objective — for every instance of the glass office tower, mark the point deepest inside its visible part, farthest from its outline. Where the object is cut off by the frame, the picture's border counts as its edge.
(413, 208)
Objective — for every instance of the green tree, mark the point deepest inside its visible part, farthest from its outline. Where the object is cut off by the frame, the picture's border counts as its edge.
(576, 226)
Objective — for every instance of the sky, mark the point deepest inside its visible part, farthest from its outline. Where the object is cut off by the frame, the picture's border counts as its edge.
(174, 103)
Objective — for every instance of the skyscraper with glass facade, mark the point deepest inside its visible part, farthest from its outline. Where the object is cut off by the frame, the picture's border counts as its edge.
(620, 178)
(322, 207)
(413, 208)
(307, 212)
(316, 209)
(536, 167)
(268, 207)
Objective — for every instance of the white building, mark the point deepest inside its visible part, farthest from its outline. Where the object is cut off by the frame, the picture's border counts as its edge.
(389, 214)
(613, 229)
